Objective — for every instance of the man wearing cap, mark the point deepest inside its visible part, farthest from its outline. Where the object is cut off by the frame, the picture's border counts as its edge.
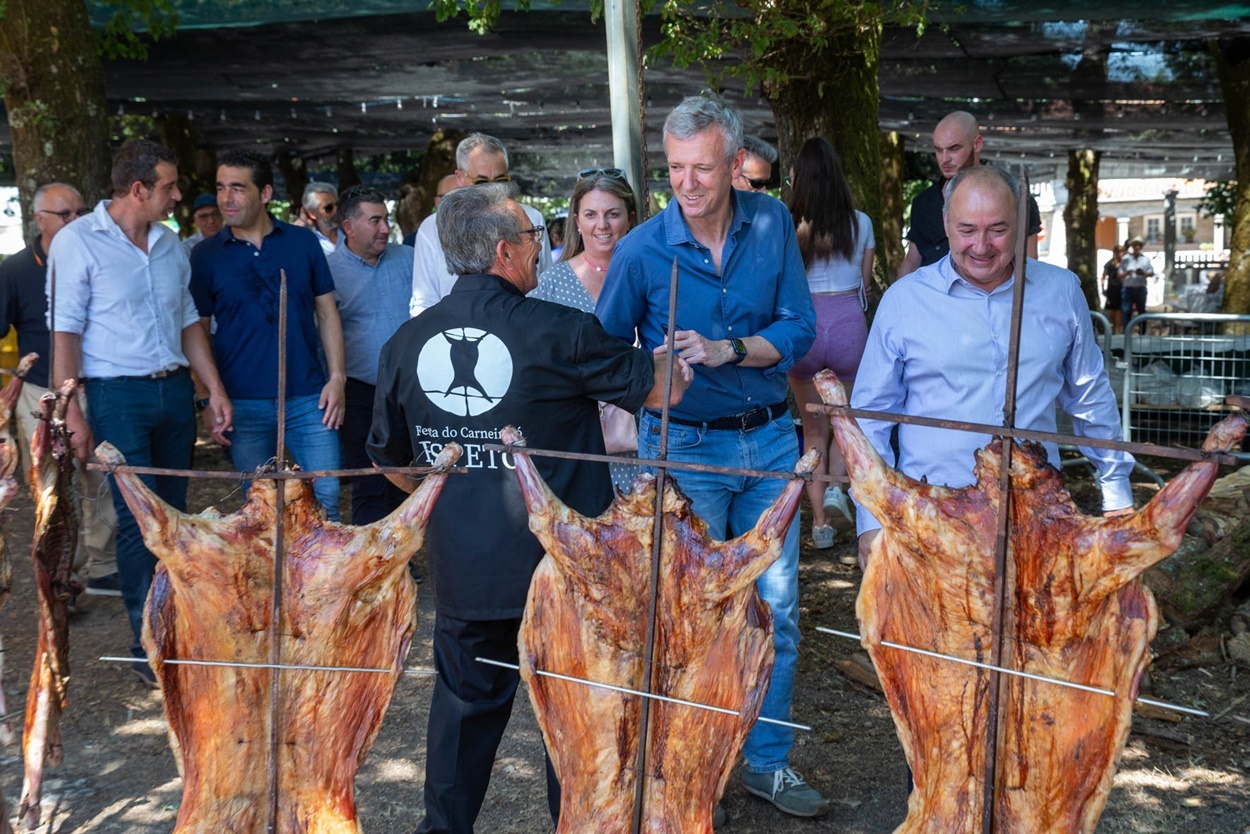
(207, 219)
(1135, 268)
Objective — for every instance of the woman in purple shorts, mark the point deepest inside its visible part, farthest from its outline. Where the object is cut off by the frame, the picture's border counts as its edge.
(837, 245)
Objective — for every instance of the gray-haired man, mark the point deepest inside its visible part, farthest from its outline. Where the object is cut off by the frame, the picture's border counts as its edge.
(757, 167)
(485, 357)
(480, 159)
(321, 202)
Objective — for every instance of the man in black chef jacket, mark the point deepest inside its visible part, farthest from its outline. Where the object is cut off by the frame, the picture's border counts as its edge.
(482, 358)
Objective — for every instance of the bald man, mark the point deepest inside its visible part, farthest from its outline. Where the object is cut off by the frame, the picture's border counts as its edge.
(445, 186)
(957, 145)
(24, 305)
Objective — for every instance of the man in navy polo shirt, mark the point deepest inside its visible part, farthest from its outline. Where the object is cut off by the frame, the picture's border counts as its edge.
(235, 277)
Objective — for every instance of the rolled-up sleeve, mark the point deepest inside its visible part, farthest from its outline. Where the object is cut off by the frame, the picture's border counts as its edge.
(70, 262)
(793, 328)
(1087, 398)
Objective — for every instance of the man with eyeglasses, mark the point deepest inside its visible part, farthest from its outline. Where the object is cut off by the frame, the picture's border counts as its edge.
(207, 219)
(320, 203)
(757, 167)
(24, 306)
(485, 357)
(479, 159)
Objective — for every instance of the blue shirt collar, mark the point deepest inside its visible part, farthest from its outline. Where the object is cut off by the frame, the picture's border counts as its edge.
(676, 230)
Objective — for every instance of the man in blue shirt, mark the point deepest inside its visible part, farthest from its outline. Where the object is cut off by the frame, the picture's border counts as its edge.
(744, 317)
(938, 348)
(235, 277)
(124, 320)
(372, 282)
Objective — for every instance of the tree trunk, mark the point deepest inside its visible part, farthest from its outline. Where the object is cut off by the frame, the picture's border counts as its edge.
(197, 164)
(54, 93)
(1080, 216)
(832, 92)
(294, 172)
(346, 169)
(890, 239)
(416, 195)
(1232, 63)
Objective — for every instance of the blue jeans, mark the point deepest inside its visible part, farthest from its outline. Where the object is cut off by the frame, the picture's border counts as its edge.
(731, 505)
(313, 446)
(152, 423)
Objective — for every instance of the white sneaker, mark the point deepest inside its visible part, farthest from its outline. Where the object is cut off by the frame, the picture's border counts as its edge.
(835, 499)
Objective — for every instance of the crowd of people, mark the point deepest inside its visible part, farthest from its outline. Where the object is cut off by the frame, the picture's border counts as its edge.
(469, 325)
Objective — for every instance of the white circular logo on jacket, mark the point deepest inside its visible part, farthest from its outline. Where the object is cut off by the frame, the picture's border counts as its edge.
(465, 371)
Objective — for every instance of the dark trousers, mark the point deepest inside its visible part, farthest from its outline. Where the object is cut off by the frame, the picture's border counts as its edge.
(1132, 303)
(373, 497)
(468, 713)
(152, 423)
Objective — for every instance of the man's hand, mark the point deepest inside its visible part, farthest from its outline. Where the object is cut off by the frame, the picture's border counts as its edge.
(683, 374)
(219, 417)
(81, 440)
(331, 402)
(865, 547)
(697, 350)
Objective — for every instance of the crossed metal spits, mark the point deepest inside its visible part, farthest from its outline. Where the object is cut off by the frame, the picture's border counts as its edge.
(661, 464)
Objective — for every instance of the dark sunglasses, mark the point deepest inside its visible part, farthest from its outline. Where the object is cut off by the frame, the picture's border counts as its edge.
(68, 214)
(484, 180)
(614, 173)
(758, 185)
(329, 207)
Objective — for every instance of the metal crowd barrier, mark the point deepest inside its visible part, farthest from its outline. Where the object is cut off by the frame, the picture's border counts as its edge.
(1177, 370)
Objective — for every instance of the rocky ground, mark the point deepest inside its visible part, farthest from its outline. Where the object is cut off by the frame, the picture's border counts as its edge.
(119, 775)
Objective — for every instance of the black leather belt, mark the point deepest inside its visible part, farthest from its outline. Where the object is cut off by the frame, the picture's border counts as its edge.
(745, 421)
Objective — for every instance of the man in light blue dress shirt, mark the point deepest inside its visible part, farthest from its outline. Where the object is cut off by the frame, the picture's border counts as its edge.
(938, 348)
(372, 282)
(124, 320)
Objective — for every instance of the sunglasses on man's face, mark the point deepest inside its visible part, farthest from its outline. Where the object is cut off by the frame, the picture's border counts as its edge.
(614, 173)
(484, 180)
(758, 185)
(66, 215)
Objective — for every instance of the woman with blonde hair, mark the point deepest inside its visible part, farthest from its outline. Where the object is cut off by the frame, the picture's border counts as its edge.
(602, 209)
(837, 246)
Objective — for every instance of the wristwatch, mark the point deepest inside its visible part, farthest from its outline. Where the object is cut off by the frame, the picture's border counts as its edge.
(740, 351)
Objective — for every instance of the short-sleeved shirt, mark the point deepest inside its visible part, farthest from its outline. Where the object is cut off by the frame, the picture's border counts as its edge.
(483, 358)
(372, 301)
(239, 285)
(129, 306)
(928, 232)
(24, 305)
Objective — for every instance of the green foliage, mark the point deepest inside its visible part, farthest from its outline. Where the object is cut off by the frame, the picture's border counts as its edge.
(768, 31)
(131, 126)
(122, 36)
(1221, 198)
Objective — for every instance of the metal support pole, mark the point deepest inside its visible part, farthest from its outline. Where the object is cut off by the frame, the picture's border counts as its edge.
(625, 85)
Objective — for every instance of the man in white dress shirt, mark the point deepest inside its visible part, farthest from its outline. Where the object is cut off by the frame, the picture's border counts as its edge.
(124, 322)
(479, 159)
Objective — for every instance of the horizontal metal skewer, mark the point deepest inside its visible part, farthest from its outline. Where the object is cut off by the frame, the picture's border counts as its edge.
(1015, 672)
(244, 665)
(1152, 449)
(637, 692)
(274, 475)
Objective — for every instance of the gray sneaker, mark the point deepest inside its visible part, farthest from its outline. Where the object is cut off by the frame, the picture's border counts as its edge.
(787, 790)
(835, 499)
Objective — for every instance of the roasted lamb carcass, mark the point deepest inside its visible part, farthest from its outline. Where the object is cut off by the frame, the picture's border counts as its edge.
(1081, 614)
(53, 553)
(586, 618)
(9, 458)
(347, 601)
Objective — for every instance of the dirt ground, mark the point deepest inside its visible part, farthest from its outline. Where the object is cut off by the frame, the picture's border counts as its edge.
(119, 775)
